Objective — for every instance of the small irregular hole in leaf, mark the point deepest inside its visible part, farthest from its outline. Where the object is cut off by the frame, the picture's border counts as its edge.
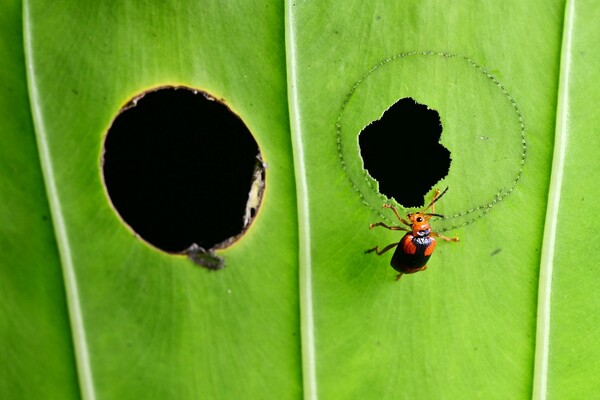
(184, 172)
(402, 152)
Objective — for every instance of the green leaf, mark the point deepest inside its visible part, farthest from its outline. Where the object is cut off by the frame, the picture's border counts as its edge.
(36, 349)
(145, 322)
(465, 328)
(568, 321)
(300, 310)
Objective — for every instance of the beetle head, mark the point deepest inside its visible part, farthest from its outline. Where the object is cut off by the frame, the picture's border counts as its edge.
(418, 217)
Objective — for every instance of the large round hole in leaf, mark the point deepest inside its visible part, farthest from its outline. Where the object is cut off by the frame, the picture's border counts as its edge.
(178, 167)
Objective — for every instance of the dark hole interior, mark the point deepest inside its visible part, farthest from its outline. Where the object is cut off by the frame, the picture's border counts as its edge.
(178, 168)
(402, 152)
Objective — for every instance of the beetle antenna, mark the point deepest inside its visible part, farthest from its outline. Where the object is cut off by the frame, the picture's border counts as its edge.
(434, 215)
(437, 198)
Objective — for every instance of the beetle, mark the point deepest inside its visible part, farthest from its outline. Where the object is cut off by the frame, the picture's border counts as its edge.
(417, 245)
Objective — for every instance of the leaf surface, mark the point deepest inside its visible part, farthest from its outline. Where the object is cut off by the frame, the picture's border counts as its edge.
(567, 357)
(36, 347)
(300, 310)
(145, 321)
(465, 327)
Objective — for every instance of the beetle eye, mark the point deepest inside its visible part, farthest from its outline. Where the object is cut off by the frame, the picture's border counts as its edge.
(419, 219)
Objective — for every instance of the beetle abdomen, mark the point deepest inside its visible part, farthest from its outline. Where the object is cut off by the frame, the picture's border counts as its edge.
(412, 253)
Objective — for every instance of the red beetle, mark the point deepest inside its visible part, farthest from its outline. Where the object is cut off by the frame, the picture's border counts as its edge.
(417, 245)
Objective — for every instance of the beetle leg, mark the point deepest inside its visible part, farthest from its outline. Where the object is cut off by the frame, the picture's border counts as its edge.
(447, 239)
(399, 276)
(432, 203)
(396, 212)
(380, 252)
(391, 228)
(435, 196)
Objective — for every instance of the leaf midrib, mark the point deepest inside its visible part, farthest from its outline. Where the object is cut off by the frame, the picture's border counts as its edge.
(302, 201)
(540, 382)
(80, 344)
